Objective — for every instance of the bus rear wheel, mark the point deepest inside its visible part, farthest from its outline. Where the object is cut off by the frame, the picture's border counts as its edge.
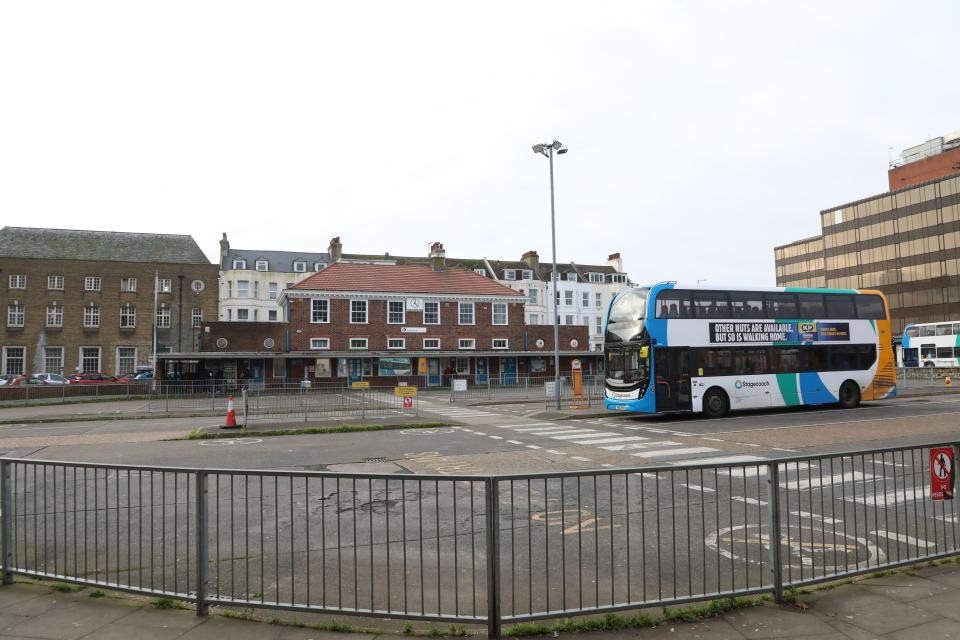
(715, 403)
(849, 395)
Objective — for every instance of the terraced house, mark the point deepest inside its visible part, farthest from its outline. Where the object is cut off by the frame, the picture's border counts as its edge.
(83, 301)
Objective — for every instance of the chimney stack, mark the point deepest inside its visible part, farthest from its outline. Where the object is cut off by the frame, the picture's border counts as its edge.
(224, 247)
(532, 259)
(614, 261)
(438, 257)
(335, 249)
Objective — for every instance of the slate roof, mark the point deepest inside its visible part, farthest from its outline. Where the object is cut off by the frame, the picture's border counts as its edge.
(541, 273)
(115, 246)
(403, 278)
(278, 260)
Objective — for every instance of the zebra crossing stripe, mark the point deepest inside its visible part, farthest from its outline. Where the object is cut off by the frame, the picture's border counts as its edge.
(564, 431)
(542, 428)
(815, 482)
(632, 446)
(748, 500)
(611, 440)
(673, 452)
(575, 436)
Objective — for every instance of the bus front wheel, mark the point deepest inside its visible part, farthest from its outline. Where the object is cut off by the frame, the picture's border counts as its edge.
(715, 403)
(849, 395)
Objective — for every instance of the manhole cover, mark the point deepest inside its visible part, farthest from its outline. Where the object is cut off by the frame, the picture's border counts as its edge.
(374, 459)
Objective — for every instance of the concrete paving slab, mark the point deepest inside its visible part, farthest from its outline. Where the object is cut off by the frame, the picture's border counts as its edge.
(774, 622)
(70, 620)
(875, 613)
(851, 632)
(234, 629)
(149, 616)
(121, 631)
(9, 620)
(937, 630)
(944, 574)
(946, 605)
(714, 629)
(904, 588)
(10, 598)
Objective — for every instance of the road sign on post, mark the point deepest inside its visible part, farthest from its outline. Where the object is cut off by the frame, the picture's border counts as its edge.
(941, 473)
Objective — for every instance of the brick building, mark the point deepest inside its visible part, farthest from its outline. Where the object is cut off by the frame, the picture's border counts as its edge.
(84, 300)
(382, 322)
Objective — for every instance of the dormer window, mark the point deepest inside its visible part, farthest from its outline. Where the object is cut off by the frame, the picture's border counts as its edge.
(571, 276)
(239, 263)
(300, 266)
(619, 278)
(595, 277)
(319, 266)
(510, 274)
(263, 265)
(481, 272)
(527, 274)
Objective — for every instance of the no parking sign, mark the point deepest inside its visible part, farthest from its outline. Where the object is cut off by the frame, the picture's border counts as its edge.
(941, 473)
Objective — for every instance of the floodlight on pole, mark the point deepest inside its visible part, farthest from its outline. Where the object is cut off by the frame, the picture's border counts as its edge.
(547, 150)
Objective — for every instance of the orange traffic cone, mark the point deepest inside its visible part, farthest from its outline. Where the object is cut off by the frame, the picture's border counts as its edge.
(231, 415)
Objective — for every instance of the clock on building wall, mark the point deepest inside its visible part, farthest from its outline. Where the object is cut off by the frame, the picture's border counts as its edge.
(197, 286)
(414, 304)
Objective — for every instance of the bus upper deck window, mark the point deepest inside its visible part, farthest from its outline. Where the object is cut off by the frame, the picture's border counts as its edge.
(944, 329)
(781, 305)
(926, 332)
(811, 305)
(870, 307)
(956, 329)
(839, 306)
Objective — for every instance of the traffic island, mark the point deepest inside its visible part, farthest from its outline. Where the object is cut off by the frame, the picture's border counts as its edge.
(273, 429)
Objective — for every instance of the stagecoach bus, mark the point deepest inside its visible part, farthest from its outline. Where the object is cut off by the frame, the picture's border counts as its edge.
(933, 344)
(704, 349)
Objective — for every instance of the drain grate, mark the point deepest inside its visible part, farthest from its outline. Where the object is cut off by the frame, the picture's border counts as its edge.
(374, 459)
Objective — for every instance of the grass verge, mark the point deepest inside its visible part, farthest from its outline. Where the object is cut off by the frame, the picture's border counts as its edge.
(618, 622)
(343, 428)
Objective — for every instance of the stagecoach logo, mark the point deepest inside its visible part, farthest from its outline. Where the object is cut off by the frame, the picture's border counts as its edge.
(739, 384)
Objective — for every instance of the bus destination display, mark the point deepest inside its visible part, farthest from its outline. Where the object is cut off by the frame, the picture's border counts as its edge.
(778, 332)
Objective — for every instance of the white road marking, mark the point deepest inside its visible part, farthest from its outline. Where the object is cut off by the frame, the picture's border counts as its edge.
(573, 436)
(899, 537)
(639, 445)
(673, 452)
(605, 464)
(495, 437)
(815, 482)
(580, 458)
(553, 429)
(555, 452)
(748, 500)
(514, 442)
(696, 487)
(816, 516)
(529, 424)
(611, 440)
(893, 498)
(533, 446)
(726, 460)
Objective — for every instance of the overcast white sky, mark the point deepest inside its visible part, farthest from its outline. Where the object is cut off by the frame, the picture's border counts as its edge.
(701, 134)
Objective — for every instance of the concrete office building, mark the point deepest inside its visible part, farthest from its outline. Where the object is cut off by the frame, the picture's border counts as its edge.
(904, 242)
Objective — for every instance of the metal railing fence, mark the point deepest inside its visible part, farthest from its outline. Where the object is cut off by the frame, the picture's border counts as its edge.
(927, 377)
(287, 402)
(474, 549)
(48, 393)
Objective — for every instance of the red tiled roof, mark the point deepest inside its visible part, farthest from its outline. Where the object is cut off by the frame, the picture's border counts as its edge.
(403, 278)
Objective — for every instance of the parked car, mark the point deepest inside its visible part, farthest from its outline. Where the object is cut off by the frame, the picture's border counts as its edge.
(91, 378)
(50, 378)
(6, 378)
(25, 379)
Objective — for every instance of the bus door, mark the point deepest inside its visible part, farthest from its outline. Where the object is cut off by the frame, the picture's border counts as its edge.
(671, 368)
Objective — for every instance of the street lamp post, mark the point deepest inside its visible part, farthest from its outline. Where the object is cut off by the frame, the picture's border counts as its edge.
(547, 150)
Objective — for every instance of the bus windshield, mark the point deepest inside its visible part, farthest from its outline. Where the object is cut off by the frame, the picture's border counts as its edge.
(626, 340)
(627, 317)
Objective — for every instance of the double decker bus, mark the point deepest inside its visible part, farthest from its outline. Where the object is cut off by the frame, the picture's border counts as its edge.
(691, 348)
(931, 344)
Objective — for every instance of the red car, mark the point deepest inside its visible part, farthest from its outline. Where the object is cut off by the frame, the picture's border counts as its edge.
(90, 378)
